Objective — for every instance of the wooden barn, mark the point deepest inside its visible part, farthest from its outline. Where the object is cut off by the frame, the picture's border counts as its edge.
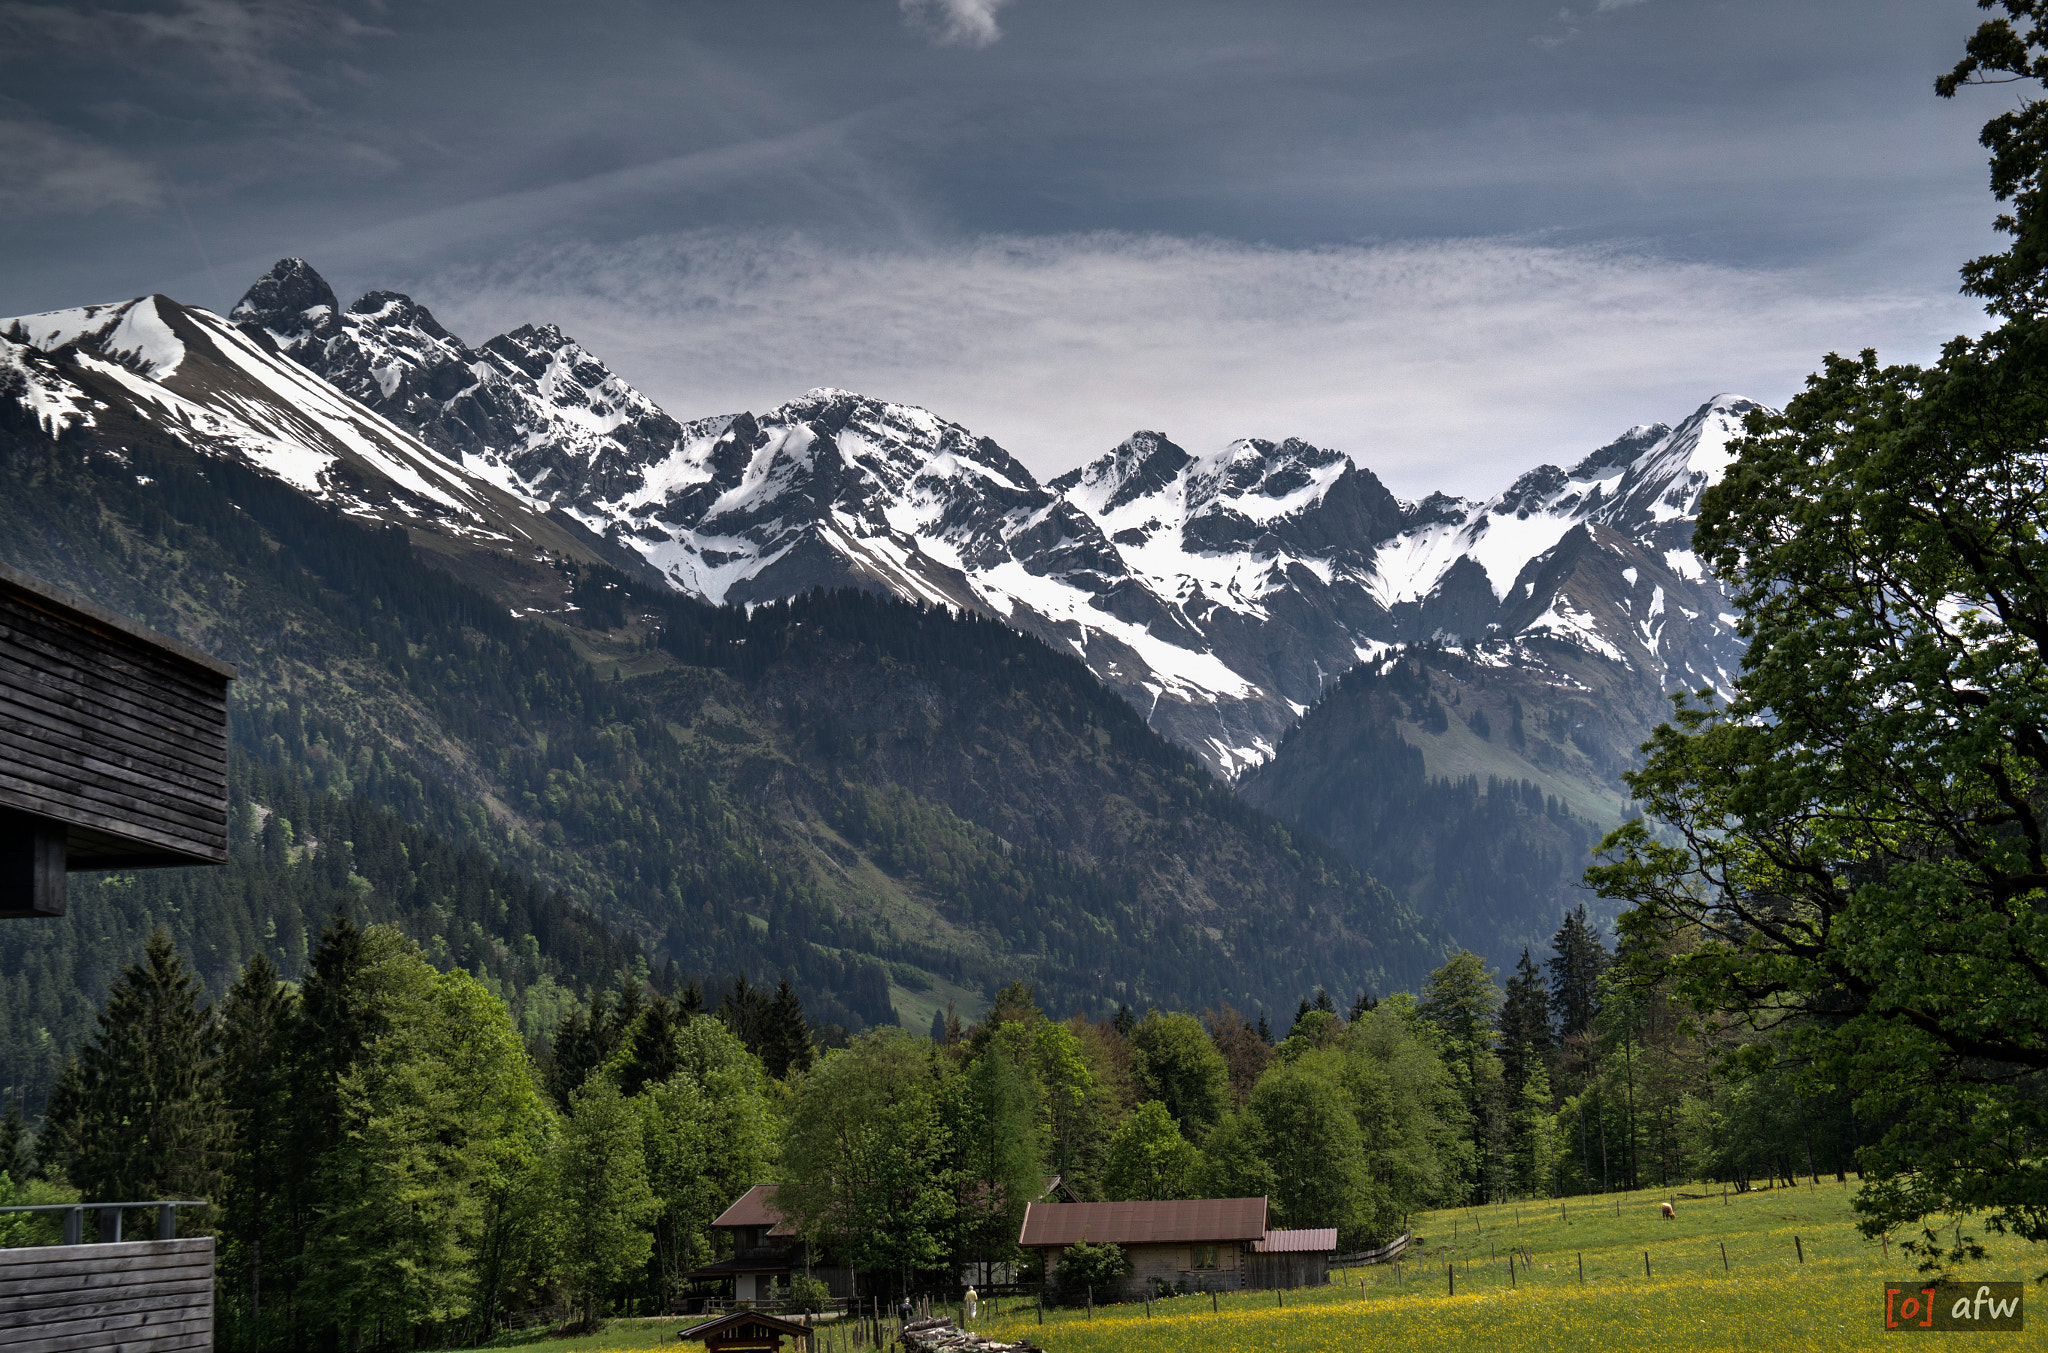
(1197, 1244)
(113, 746)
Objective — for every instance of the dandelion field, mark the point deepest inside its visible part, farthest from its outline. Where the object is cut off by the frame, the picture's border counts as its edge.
(1765, 1299)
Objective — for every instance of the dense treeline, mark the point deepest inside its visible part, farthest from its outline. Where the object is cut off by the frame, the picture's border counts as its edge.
(296, 854)
(393, 1163)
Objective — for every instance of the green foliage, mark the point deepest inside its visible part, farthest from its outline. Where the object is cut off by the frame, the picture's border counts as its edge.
(1178, 1065)
(807, 1294)
(710, 1132)
(864, 1160)
(1236, 1158)
(1851, 874)
(1317, 1148)
(601, 1197)
(1149, 1159)
(997, 1154)
(130, 1118)
(1088, 1268)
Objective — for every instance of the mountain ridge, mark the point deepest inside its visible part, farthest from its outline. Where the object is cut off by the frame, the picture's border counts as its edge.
(1221, 594)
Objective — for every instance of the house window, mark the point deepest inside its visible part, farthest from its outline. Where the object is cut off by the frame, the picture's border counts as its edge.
(1205, 1256)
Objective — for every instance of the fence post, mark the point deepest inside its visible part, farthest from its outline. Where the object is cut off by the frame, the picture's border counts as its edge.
(1646, 1263)
(1511, 1273)
(1582, 1266)
(1214, 1309)
(167, 1222)
(1724, 1256)
(110, 1225)
(1799, 1249)
(1451, 1270)
(74, 1226)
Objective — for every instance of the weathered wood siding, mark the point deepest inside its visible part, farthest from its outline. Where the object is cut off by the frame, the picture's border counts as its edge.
(115, 732)
(1266, 1271)
(145, 1296)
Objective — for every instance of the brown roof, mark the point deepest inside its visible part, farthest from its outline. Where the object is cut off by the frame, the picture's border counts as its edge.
(756, 1207)
(736, 1322)
(1202, 1220)
(1297, 1242)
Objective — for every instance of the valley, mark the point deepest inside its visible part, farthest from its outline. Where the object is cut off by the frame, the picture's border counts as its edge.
(640, 669)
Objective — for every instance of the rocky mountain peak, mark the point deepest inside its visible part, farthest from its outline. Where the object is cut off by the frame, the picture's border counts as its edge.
(289, 298)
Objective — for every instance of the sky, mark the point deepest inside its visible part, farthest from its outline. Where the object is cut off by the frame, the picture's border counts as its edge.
(1453, 238)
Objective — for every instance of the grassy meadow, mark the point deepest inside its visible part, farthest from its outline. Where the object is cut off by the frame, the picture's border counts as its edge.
(1765, 1299)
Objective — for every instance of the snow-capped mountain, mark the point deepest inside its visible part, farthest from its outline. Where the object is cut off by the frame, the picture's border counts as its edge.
(1220, 593)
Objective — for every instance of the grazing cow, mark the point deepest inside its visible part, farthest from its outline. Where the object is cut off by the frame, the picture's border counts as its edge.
(1670, 1213)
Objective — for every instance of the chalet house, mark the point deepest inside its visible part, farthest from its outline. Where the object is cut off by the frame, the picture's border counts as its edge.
(1197, 1244)
(766, 1251)
(765, 1248)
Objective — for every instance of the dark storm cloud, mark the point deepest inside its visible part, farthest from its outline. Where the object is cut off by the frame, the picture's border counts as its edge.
(1791, 149)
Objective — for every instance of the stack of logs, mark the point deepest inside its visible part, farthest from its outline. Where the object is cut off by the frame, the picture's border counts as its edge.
(930, 1336)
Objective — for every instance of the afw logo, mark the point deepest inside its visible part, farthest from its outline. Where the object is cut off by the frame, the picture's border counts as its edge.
(1955, 1306)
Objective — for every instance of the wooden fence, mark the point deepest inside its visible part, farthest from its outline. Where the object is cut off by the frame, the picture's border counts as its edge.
(143, 1296)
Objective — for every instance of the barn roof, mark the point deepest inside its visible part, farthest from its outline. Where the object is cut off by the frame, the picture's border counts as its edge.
(1199, 1220)
(1297, 1242)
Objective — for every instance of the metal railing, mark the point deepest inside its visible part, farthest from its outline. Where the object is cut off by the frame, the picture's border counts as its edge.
(110, 1215)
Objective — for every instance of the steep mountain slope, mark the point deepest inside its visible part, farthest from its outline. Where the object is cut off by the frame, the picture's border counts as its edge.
(898, 807)
(1219, 594)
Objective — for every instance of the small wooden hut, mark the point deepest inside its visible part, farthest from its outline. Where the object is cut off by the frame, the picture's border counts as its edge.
(748, 1332)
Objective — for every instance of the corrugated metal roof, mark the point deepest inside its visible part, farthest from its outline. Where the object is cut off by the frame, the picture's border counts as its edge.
(1201, 1220)
(1297, 1242)
(756, 1207)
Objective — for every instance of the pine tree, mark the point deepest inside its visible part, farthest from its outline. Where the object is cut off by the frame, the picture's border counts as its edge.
(786, 1041)
(15, 1144)
(651, 1056)
(691, 1003)
(939, 1026)
(134, 1116)
(1125, 1021)
(1323, 1001)
(256, 1032)
(1577, 960)
(1525, 1036)
(1362, 1005)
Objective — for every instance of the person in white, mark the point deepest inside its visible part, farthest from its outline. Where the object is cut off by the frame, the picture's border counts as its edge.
(970, 1303)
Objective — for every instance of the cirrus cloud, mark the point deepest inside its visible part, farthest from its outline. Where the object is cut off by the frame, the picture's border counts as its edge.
(1445, 364)
(46, 171)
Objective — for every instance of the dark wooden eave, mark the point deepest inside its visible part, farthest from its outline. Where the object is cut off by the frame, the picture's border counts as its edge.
(113, 745)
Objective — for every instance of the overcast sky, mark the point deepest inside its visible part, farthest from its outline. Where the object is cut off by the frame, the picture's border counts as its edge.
(1451, 237)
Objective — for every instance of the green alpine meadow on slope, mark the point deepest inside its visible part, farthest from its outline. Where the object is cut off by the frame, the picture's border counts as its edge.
(1799, 1278)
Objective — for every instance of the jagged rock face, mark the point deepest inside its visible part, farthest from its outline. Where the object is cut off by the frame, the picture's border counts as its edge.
(1221, 593)
(533, 409)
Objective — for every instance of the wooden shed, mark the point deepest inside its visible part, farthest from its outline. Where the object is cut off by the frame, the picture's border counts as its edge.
(1291, 1258)
(1197, 1244)
(113, 746)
